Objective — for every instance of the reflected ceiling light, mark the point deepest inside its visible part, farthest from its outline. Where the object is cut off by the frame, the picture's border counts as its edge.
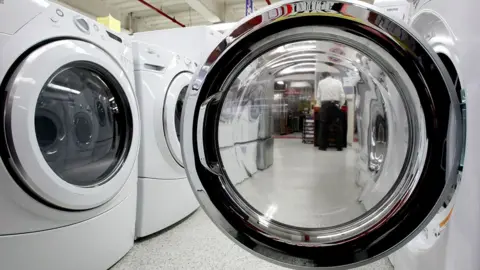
(297, 61)
(272, 209)
(306, 59)
(280, 83)
(280, 49)
(297, 70)
(290, 57)
(301, 84)
(301, 48)
(63, 88)
(441, 40)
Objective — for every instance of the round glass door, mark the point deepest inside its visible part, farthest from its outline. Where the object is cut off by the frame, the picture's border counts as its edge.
(386, 129)
(71, 127)
(70, 135)
(172, 113)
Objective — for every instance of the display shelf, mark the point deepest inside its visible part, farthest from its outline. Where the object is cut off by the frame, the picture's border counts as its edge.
(308, 134)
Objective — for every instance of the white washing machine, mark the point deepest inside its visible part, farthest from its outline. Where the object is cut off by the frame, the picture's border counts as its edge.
(164, 195)
(423, 131)
(244, 129)
(71, 138)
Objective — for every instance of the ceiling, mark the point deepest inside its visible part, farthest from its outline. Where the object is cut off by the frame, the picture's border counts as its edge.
(136, 16)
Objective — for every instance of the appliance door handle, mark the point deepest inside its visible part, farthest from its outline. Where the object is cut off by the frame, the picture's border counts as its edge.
(455, 144)
(201, 140)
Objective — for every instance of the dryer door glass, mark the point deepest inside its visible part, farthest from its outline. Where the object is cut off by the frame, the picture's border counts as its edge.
(81, 125)
(178, 110)
(378, 158)
(172, 113)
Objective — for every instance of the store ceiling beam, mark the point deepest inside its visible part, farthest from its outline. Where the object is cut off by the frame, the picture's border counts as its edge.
(134, 5)
(211, 10)
(149, 23)
(162, 13)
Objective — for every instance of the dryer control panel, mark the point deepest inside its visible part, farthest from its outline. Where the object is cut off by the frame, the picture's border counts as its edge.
(76, 25)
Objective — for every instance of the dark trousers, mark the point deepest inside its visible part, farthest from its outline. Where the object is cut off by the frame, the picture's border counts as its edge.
(345, 128)
(331, 123)
(316, 123)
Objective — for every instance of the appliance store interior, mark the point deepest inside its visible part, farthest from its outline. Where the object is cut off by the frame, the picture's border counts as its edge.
(238, 134)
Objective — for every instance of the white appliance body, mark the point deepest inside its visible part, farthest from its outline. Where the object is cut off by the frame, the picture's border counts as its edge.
(450, 240)
(181, 40)
(164, 195)
(66, 200)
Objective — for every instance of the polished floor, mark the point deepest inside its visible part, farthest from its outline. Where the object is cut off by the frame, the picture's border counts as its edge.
(304, 187)
(197, 244)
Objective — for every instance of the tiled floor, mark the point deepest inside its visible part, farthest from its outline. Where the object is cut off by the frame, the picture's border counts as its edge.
(306, 187)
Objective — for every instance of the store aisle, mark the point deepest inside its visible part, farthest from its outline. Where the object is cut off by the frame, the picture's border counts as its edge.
(297, 174)
(306, 187)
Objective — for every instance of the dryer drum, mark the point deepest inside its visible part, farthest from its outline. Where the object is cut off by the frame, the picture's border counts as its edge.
(85, 163)
(179, 108)
(47, 131)
(101, 113)
(83, 128)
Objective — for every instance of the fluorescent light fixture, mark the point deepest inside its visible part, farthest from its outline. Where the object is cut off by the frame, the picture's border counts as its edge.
(280, 82)
(63, 88)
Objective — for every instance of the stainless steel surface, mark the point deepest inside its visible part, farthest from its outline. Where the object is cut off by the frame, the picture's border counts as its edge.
(388, 164)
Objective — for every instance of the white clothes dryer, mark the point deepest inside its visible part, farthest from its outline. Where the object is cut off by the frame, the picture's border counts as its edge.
(164, 196)
(416, 114)
(71, 138)
(180, 40)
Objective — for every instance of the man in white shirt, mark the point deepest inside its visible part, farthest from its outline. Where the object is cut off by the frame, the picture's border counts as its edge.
(331, 96)
(330, 89)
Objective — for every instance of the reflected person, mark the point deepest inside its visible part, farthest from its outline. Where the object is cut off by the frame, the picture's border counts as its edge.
(331, 97)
